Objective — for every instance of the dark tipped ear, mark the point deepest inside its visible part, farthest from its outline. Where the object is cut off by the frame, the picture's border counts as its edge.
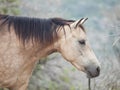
(79, 22)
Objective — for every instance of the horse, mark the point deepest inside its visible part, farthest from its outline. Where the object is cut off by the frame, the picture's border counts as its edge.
(25, 40)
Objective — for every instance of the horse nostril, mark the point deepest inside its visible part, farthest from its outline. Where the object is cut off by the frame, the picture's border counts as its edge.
(98, 69)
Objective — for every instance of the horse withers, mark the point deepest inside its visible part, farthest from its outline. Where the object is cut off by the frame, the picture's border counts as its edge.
(23, 41)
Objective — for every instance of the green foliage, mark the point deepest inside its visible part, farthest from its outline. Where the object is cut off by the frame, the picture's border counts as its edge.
(3, 89)
(9, 7)
(53, 86)
(65, 77)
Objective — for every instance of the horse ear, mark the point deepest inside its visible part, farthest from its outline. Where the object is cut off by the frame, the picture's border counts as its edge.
(79, 22)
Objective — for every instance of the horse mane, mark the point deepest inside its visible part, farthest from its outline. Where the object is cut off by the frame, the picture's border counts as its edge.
(35, 29)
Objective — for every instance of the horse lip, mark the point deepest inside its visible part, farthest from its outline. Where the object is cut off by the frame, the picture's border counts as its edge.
(90, 75)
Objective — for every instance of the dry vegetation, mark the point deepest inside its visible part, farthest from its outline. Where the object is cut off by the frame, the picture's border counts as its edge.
(58, 74)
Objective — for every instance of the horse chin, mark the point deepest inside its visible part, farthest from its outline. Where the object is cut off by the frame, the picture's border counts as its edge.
(89, 75)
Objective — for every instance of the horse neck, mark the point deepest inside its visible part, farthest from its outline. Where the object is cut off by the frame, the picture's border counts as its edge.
(46, 50)
(37, 51)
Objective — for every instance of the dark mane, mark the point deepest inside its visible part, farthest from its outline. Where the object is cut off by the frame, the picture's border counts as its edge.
(35, 29)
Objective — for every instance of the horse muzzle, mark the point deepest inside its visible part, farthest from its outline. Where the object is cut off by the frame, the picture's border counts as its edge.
(93, 72)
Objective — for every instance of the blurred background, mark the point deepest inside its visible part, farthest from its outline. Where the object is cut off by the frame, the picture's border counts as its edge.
(103, 31)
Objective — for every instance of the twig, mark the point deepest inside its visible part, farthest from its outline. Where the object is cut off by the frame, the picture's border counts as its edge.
(116, 41)
(89, 84)
(113, 35)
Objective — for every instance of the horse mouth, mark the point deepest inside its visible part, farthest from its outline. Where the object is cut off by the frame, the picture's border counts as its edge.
(91, 75)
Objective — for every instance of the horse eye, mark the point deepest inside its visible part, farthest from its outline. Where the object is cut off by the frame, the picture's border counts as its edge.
(82, 42)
